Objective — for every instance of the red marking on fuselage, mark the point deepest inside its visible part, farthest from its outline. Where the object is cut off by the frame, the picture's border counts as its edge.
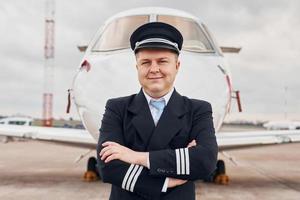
(86, 65)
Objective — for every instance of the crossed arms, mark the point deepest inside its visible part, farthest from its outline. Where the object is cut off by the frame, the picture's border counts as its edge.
(128, 169)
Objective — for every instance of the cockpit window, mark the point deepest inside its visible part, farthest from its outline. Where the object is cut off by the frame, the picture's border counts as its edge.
(194, 38)
(116, 35)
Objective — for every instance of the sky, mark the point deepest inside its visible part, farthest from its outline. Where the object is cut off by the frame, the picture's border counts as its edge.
(267, 70)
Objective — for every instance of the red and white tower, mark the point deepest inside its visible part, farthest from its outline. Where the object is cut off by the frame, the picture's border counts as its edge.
(49, 63)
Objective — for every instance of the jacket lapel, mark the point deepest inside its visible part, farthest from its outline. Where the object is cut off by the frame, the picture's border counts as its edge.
(169, 123)
(142, 119)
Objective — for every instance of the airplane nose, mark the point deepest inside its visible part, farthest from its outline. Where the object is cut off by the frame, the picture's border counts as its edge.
(99, 78)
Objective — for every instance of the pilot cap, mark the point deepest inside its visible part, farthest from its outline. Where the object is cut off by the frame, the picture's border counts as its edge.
(155, 35)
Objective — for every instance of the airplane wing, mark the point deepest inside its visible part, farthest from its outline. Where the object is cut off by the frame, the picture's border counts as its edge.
(237, 140)
(65, 136)
(81, 138)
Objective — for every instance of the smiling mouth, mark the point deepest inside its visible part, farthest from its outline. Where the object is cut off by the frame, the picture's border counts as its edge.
(155, 78)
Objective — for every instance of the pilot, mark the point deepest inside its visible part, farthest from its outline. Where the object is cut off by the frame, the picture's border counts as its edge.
(156, 143)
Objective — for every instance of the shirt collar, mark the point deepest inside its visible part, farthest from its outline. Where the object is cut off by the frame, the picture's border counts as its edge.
(166, 97)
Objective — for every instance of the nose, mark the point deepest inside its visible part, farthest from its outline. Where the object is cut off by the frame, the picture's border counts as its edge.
(154, 68)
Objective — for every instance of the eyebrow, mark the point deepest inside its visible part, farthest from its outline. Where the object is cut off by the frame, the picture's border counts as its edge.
(143, 59)
(163, 58)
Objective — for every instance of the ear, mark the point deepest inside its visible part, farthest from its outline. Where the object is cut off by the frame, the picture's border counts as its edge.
(178, 65)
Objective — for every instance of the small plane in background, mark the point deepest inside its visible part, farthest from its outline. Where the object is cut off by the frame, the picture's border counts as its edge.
(23, 121)
(282, 125)
(107, 70)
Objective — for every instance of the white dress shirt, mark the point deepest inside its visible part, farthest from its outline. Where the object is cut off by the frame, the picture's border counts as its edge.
(166, 97)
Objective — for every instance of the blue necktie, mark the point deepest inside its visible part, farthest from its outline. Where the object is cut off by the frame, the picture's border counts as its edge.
(159, 108)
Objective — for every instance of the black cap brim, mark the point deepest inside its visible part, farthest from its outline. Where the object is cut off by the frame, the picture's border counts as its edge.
(157, 46)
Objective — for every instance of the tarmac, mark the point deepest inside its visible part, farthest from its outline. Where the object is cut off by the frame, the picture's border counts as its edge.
(36, 170)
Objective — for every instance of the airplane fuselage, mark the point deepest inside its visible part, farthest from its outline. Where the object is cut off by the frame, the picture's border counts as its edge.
(107, 73)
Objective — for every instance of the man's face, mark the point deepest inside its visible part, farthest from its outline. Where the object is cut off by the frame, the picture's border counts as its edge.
(157, 69)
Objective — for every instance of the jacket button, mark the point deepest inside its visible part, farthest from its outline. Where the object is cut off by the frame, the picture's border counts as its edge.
(160, 170)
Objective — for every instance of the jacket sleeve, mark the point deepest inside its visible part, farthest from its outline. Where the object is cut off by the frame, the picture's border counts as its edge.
(130, 177)
(192, 163)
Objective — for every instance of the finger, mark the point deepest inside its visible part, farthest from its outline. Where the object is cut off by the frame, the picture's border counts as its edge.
(104, 150)
(111, 157)
(182, 182)
(192, 143)
(107, 153)
(109, 143)
(171, 182)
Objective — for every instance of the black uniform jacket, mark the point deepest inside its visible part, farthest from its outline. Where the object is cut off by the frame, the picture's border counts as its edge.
(128, 121)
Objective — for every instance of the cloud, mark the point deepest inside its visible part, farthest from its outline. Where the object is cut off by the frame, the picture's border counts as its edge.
(267, 30)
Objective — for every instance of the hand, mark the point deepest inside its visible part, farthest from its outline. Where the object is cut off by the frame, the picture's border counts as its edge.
(173, 182)
(192, 143)
(113, 150)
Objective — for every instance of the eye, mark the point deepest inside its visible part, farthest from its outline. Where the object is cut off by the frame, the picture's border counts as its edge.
(145, 63)
(163, 61)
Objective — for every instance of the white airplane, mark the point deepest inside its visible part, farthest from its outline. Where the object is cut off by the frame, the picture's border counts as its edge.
(108, 70)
